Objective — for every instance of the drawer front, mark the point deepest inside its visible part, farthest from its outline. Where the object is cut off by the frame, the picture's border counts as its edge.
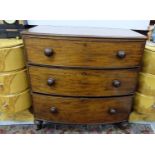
(11, 104)
(75, 82)
(81, 110)
(12, 59)
(79, 53)
(13, 82)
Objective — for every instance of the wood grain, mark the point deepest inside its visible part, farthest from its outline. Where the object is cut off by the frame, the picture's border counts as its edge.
(84, 53)
(76, 82)
(81, 110)
(72, 73)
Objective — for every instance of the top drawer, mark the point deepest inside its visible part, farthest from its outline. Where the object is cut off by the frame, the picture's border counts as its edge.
(98, 53)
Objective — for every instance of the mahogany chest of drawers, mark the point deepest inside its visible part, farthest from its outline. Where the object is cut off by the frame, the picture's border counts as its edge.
(82, 75)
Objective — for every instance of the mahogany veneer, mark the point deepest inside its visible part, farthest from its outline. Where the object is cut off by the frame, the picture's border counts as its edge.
(82, 75)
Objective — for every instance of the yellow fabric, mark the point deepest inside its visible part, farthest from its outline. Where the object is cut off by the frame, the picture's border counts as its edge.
(23, 116)
(134, 116)
(11, 104)
(147, 84)
(144, 100)
(14, 98)
(6, 43)
(150, 46)
(149, 62)
(12, 59)
(13, 82)
(144, 104)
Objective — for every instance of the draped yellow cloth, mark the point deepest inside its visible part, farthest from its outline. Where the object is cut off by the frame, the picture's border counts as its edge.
(144, 100)
(15, 99)
(7, 43)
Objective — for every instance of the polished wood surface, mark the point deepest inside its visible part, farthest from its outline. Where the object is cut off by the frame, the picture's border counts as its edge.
(83, 32)
(13, 82)
(76, 82)
(82, 110)
(12, 59)
(82, 75)
(84, 53)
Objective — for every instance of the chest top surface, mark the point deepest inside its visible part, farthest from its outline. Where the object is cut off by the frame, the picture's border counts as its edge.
(84, 32)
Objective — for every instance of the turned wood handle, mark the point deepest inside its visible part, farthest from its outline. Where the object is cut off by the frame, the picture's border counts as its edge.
(116, 83)
(48, 52)
(121, 54)
(53, 110)
(50, 81)
(112, 111)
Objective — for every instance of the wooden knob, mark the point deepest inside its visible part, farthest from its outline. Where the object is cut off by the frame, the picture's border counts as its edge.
(121, 54)
(53, 110)
(48, 52)
(116, 83)
(50, 81)
(112, 111)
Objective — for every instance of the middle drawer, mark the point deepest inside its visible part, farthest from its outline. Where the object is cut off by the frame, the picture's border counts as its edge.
(82, 82)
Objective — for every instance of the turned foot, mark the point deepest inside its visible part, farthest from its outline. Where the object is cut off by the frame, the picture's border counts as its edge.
(123, 125)
(39, 124)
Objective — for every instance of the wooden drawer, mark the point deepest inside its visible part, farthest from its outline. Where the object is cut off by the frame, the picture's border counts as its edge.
(99, 53)
(12, 58)
(81, 110)
(13, 82)
(11, 104)
(76, 82)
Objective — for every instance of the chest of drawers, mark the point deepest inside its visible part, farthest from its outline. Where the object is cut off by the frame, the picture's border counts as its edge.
(82, 75)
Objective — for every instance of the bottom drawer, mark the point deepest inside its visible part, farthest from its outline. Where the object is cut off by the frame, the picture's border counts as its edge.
(81, 110)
